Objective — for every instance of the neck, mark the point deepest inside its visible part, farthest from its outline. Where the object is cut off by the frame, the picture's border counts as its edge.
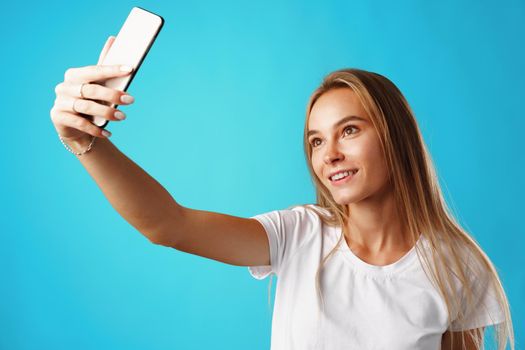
(375, 226)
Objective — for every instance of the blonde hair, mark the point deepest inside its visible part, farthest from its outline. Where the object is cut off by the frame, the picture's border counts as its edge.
(454, 253)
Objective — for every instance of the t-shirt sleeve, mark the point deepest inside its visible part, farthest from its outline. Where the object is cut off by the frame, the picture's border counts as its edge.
(486, 309)
(287, 230)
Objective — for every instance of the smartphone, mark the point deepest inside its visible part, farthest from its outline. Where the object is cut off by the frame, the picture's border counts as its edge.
(130, 47)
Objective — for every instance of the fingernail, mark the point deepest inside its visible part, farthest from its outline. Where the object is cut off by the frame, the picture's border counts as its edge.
(126, 68)
(127, 99)
(120, 115)
(106, 133)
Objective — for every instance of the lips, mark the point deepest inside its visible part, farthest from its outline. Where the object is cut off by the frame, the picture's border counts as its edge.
(345, 180)
(341, 172)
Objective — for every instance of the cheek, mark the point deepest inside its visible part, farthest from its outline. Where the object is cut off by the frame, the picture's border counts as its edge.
(375, 160)
(366, 153)
(316, 165)
(354, 151)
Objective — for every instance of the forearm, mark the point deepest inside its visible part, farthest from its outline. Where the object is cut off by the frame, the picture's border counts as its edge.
(134, 194)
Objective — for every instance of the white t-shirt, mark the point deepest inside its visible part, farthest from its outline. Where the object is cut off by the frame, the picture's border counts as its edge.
(366, 306)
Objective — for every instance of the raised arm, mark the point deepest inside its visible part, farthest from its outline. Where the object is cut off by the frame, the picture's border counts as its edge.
(134, 194)
(146, 205)
(229, 239)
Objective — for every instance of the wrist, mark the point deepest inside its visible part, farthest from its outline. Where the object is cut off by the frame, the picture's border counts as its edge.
(79, 145)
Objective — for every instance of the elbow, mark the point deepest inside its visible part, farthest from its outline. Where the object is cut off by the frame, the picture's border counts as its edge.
(162, 239)
(159, 241)
(163, 233)
(156, 240)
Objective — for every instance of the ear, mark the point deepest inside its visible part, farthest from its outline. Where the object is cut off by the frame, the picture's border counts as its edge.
(105, 50)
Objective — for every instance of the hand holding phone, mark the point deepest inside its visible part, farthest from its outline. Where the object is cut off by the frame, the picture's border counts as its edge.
(129, 48)
(88, 96)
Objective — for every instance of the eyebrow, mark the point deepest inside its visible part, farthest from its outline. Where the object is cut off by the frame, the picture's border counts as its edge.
(342, 121)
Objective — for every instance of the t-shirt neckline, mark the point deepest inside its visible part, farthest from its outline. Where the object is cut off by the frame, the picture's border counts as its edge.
(395, 267)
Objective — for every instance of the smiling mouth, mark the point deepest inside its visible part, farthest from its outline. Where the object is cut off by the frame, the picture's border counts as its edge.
(344, 179)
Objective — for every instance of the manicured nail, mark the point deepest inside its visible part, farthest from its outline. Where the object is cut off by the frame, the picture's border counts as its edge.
(106, 133)
(127, 99)
(126, 68)
(120, 115)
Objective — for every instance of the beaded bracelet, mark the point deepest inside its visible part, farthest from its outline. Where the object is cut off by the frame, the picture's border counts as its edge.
(77, 153)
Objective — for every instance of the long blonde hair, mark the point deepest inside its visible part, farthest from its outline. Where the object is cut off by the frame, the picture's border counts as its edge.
(418, 197)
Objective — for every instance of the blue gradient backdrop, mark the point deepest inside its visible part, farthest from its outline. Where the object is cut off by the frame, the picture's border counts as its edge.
(218, 121)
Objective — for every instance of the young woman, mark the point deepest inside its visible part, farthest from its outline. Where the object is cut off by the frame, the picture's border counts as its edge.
(377, 263)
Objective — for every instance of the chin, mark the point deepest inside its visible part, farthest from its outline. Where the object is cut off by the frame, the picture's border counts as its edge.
(345, 199)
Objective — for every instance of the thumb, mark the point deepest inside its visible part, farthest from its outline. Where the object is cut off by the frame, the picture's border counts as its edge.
(105, 50)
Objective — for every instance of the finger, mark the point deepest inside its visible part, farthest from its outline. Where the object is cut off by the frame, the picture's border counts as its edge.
(69, 89)
(102, 93)
(95, 73)
(88, 107)
(93, 92)
(93, 108)
(64, 103)
(76, 122)
(105, 50)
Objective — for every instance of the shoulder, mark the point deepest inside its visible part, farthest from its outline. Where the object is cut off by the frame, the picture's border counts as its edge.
(302, 216)
(289, 231)
(475, 285)
(295, 223)
(313, 211)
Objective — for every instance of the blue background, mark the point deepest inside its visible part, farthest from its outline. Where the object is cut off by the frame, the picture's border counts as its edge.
(218, 121)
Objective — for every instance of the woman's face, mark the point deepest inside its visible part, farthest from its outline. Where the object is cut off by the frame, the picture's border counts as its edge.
(346, 140)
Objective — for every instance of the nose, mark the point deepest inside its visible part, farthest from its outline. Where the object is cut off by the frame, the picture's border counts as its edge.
(332, 153)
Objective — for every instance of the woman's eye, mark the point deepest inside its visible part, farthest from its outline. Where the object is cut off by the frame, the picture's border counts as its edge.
(313, 142)
(350, 127)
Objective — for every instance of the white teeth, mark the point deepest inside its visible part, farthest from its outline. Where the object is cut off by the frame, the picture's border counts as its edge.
(342, 175)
